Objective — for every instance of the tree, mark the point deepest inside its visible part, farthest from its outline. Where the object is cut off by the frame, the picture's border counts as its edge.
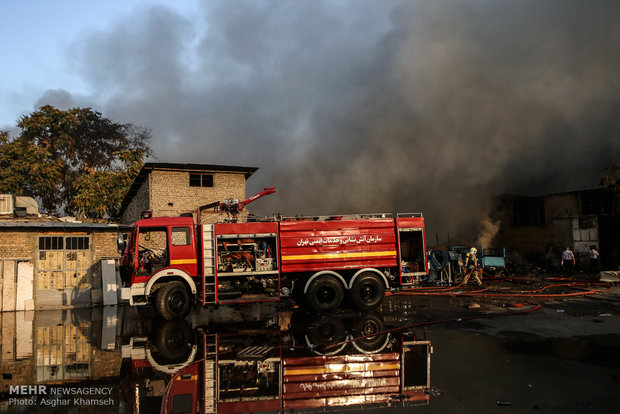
(76, 160)
(102, 192)
(611, 179)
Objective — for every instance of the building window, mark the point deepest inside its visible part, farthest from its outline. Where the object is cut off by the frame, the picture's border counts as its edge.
(596, 202)
(57, 243)
(200, 180)
(51, 243)
(529, 211)
(77, 243)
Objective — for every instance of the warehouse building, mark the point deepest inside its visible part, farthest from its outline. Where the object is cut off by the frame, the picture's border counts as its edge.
(47, 264)
(538, 228)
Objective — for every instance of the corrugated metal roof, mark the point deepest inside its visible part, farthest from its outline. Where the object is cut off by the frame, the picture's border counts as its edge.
(21, 224)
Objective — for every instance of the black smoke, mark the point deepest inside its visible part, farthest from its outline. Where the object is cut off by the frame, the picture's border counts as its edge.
(370, 106)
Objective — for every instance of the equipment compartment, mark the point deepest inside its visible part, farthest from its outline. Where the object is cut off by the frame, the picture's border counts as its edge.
(246, 254)
(247, 266)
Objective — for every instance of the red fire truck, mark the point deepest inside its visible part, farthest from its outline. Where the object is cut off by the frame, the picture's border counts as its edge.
(251, 369)
(172, 263)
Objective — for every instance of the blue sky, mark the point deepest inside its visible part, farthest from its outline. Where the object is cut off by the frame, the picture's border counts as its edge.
(36, 37)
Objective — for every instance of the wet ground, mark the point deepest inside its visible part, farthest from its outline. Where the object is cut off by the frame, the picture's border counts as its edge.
(431, 353)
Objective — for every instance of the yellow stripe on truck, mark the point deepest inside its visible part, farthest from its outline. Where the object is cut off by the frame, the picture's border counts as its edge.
(182, 261)
(338, 255)
(341, 368)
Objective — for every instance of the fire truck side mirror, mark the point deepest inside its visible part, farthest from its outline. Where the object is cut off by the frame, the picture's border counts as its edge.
(121, 243)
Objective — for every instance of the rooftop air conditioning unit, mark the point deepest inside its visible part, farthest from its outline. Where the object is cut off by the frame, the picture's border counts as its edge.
(6, 204)
(26, 206)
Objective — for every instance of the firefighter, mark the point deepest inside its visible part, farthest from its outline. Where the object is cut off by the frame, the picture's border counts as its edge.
(471, 266)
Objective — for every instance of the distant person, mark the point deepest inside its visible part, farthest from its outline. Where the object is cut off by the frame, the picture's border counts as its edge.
(568, 261)
(594, 260)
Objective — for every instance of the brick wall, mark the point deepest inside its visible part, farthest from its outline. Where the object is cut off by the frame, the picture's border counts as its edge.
(171, 194)
(17, 245)
(104, 245)
(137, 205)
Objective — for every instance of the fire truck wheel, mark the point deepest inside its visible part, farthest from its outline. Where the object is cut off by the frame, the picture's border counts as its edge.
(172, 301)
(367, 291)
(368, 325)
(325, 331)
(173, 341)
(325, 294)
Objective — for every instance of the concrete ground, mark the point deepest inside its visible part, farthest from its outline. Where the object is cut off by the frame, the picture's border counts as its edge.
(492, 355)
(492, 305)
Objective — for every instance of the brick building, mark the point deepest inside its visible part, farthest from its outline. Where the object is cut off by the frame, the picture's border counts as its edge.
(47, 264)
(172, 189)
(537, 229)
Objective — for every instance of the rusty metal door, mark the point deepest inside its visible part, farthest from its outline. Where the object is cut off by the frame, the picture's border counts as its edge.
(63, 267)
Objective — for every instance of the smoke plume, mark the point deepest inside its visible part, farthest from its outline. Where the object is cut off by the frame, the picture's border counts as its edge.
(487, 231)
(371, 106)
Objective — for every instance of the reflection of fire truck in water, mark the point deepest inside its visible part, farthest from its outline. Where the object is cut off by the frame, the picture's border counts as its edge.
(321, 365)
(172, 263)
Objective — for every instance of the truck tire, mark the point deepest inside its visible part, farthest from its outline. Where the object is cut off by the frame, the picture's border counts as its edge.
(173, 301)
(324, 331)
(324, 294)
(367, 291)
(368, 325)
(173, 341)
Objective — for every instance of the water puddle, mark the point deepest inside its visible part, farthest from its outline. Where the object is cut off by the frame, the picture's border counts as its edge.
(266, 358)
